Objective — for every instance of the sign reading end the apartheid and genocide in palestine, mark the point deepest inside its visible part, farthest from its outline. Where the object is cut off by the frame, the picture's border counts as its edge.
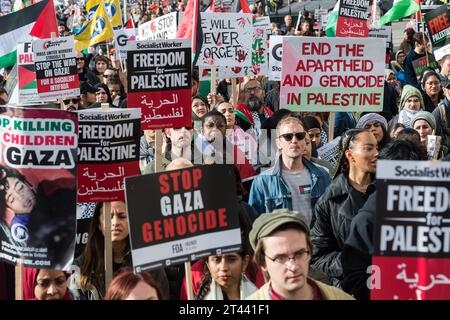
(187, 216)
(56, 68)
(37, 170)
(227, 40)
(164, 27)
(108, 151)
(438, 25)
(353, 18)
(412, 231)
(332, 74)
(159, 82)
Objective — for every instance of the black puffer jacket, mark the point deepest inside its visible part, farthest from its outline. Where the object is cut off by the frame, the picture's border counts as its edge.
(333, 215)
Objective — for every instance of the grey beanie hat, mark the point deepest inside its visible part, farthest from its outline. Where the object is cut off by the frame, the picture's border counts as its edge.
(371, 118)
(424, 115)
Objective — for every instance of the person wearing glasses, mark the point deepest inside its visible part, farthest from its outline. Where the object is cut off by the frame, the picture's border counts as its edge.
(431, 90)
(108, 74)
(353, 183)
(282, 245)
(70, 104)
(253, 113)
(293, 182)
(84, 74)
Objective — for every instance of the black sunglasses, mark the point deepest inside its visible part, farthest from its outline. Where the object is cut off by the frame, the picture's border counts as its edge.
(187, 128)
(74, 101)
(80, 59)
(298, 135)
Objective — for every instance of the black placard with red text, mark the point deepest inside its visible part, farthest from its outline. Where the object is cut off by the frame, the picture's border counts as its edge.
(187, 216)
(411, 257)
(438, 26)
(159, 82)
(108, 151)
(353, 18)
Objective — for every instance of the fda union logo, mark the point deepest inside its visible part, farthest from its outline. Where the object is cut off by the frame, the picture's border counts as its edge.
(99, 26)
(19, 232)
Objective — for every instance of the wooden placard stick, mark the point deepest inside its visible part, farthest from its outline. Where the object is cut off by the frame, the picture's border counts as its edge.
(331, 127)
(188, 276)
(19, 281)
(107, 224)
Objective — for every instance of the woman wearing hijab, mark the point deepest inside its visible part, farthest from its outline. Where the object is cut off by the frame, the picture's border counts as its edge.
(45, 284)
(411, 102)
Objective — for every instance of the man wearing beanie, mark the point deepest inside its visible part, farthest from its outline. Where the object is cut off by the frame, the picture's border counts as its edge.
(281, 240)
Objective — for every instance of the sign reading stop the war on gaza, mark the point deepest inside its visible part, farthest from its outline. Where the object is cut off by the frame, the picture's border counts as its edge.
(412, 231)
(159, 82)
(108, 151)
(332, 74)
(56, 68)
(188, 216)
(227, 40)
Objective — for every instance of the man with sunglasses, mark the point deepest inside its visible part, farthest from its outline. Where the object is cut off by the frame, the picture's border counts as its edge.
(282, 245)
(70, 104)
(84, 74)
(293, 182)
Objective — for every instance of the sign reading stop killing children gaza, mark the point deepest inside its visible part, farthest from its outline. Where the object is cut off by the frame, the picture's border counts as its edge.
(108, 151)
(227, 40)
(332, 74)
(37, 166)
(187, 216)
(159, 82)
(56, 68)
(411, 258)
(353, 18)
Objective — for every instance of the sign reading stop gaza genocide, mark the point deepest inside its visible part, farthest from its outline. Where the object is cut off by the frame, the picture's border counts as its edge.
(159, 82)
(56, 68)
(187, 216)
(332, 74)
(412, 231)
(37, 169)
(353, 18)
(108, 151)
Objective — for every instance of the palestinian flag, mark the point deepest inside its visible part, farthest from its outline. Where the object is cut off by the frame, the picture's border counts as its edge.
(38, 20)
(400, 9)
(191, 27)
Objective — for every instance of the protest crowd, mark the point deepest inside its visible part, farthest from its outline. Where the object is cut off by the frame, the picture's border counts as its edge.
(272, 159)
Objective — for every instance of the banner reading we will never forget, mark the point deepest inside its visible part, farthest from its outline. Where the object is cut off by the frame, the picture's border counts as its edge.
(332, 74)
(412, 231)
(189, 216)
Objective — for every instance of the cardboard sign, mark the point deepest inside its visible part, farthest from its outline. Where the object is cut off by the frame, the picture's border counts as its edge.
(385, 32)
(38, 160)
(56, 68)
(411, 236)
(121, 37)
(108, 151)
(159, 82)
(188, 216)
(330, 151)
(353, 18)
(321, 16)
(332, 74)
(164, 27)
(26, 74)
(85, 213)
(423, 63)
(438, 25)
(227, 40)
(260, 63)
(275, 54)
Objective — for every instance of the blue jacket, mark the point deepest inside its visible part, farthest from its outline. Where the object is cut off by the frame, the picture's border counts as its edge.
(269, 191)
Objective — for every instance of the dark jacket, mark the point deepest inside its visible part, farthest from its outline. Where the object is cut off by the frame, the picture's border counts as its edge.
(333, 214)
(410, 74)
(357, 254)
(443, 123)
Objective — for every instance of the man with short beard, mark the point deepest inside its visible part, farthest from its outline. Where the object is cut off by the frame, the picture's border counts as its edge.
(253, 113)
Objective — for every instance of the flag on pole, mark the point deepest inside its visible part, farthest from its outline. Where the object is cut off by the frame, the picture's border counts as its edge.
(97, 29)
(38, 20)
(112, 7)
(400, 9)
(191, 28)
